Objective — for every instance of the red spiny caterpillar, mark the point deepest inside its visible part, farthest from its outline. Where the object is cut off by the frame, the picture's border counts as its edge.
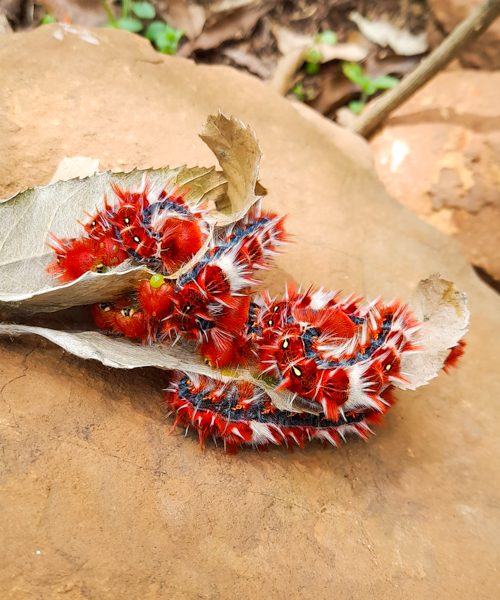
(338, 353)
(239, 413)
(334, 360)
(148, 226)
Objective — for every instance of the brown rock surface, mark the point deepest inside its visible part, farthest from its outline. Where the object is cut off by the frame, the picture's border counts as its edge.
(99, 502)
(482, 54)
(438, 155)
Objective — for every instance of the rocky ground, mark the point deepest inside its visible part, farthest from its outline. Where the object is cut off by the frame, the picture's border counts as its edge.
(98, 501)
(438, 155)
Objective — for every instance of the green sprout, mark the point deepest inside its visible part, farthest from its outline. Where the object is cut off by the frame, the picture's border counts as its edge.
(132, 16)
(313, 57)
(299, 92)
(367, 85)
(127, 21)
(129, 24)
(47, 19)
(313, 60)
(327, 37)
(143, 10)
(164, 37)
(303, 93)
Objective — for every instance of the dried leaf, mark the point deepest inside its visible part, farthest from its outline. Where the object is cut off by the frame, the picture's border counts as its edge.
(402, 41)
(225, 6)
(237, 150)
(285, 70)
(232, 21)
(445, 316)
(186, 16)
(248, 61)
(121, 353)
(118, 353)
(289, 41)
(75, 167)
(349, 52)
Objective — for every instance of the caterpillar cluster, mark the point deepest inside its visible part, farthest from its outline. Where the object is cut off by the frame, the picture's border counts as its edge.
(339, 359)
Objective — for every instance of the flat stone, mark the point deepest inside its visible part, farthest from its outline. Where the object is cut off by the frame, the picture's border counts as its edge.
(438, 155)
(99, 501)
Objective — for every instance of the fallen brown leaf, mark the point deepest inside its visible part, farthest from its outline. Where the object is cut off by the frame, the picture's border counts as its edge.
(248, 61)
(231, 23)
(189, 17)
(383, 33)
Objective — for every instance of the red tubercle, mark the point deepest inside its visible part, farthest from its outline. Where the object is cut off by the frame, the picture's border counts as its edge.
(138, 200)
(74, 257)
(137, 239)
(155, 301)
(213, 281)
(334, 391)
(454, 356)
(227, 352)
(98, 224)
(180, 240)
(104, 313)
(132, 323)
(109, 251)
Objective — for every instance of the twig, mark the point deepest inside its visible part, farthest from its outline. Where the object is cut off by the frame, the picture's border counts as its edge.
(469, 29)
(109, 12)
(286, 68)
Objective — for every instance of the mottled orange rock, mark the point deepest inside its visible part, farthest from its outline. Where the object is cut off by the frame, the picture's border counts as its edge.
(438, 155)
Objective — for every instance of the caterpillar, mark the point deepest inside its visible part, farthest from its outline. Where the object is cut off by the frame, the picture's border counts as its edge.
(149, 227)
(211, 301)
(239, 414)
(338, 353)
(336, 358)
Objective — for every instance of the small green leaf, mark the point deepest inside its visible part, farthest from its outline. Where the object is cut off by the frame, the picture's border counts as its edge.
(168, 41)
(354, 73)
(155, 29)
(328, 37)
(312, 68)
(298, 92)
(356, 106)
(129, 24)
(385, 82)
(47, 19)
(313, 55)
(143, 10)
(369, 87)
